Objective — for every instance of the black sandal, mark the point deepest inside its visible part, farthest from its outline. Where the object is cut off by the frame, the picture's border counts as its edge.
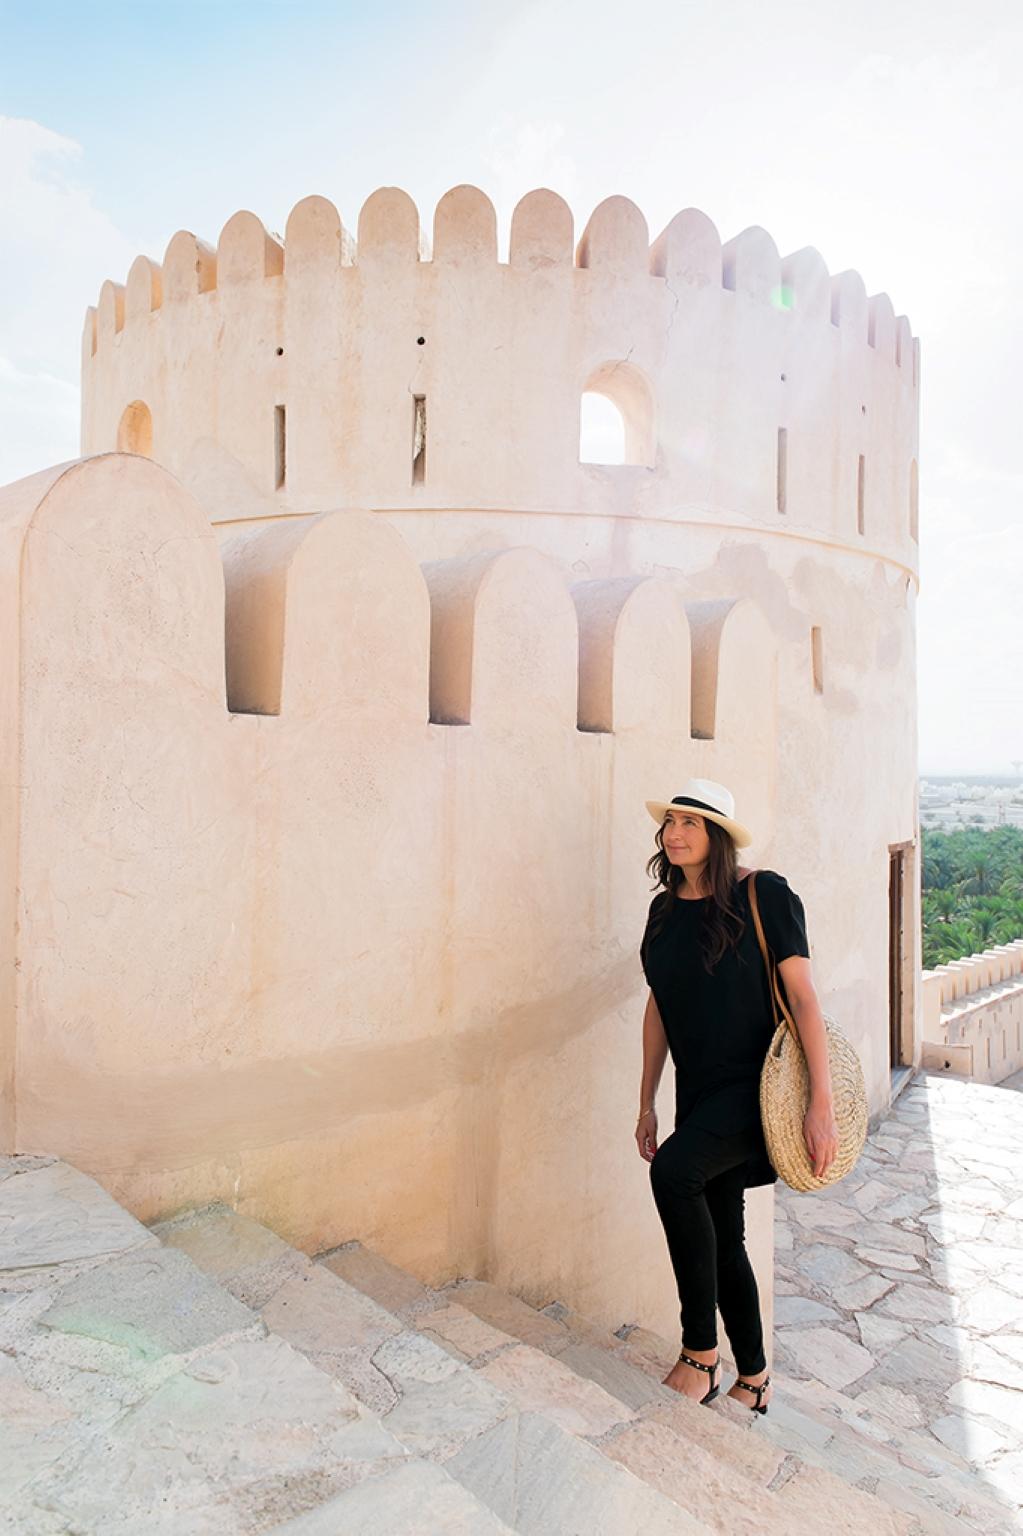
(709, 1370)
(750, 1386)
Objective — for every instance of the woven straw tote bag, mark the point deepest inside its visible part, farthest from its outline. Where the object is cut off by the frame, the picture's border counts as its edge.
(785, 1089)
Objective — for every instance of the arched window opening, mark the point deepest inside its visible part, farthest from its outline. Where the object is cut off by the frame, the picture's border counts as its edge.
(135, 430)
(601, 431)
(914, 501)
(616, 421)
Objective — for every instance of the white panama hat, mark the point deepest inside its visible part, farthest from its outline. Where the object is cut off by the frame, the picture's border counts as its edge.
(710, 800)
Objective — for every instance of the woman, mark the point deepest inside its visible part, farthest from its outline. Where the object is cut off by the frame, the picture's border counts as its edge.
(710, 1006)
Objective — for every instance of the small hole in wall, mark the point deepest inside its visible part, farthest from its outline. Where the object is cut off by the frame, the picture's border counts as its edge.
(863, 410)
(783, 377)
(280, 351)
(420, 341)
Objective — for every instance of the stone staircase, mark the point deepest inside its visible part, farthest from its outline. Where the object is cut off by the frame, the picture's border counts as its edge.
(205, 1377)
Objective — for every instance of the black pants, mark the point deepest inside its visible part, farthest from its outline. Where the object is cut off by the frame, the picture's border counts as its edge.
(697, 1179)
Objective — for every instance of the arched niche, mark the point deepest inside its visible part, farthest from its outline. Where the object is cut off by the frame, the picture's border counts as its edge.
(135, 430)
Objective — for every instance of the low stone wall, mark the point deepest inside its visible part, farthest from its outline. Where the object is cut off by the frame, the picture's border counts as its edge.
(973, 1014)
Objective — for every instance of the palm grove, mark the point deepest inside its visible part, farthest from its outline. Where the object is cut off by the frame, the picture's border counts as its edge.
(972, 890)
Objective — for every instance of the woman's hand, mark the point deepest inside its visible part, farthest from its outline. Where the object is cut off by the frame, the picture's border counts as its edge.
(646, 1135)
(821, 1135)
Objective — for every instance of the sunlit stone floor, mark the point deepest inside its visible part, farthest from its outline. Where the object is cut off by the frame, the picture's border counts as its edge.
(902, 1286)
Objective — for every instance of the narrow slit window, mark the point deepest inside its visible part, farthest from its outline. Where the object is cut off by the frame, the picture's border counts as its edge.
(419, 439)
(280, 447)
(783, 467)
(861, 474)
(817, 658)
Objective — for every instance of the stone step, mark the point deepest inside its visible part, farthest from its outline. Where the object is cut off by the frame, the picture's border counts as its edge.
(534, 1469)
(829, 1431)
(926, 1473)
(564, 1452)
(138, 1397)
(626, 1412)
(907, 1472)
(416, 1498)
(724, 1460)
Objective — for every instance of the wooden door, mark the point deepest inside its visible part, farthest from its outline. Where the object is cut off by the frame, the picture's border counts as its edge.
(896, 951)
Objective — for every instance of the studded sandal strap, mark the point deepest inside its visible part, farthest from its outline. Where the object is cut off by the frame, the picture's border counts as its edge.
(709, 1369)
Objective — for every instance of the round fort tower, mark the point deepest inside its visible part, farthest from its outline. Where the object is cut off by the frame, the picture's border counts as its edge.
(325, 878)
(761, 397)
(767, 508)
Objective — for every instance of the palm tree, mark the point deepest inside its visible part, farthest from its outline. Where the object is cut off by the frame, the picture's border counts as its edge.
(972, 890)
(979, 878)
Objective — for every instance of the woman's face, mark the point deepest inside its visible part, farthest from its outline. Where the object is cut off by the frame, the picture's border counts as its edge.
(685, 837)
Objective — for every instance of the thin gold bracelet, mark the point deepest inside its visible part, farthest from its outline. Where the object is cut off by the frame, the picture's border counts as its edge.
(645, 1112)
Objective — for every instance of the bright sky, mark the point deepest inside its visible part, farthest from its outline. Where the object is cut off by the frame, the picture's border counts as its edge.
(887, 133)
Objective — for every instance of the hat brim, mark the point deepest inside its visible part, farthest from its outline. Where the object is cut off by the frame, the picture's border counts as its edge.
(741, 836)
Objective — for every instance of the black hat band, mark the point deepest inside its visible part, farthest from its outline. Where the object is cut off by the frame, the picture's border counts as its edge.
(702, 804)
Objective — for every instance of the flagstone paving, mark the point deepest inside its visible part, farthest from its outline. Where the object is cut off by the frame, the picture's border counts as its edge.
(902, 1286)
(204, 1379)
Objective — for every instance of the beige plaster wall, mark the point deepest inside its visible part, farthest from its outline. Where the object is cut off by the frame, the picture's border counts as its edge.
(294, 960)
(973, 1014)
(327, 825)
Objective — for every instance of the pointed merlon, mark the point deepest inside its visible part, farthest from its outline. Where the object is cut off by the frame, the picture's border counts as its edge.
(315, 238)
(849, 304)
(903, 343)
(145, 586)
(806, 282)
(633, 656)
(881, 325)
(615, 240)
(542, 232)
(189, 268)
(504, 647)
(388, 230)
(110, 318)
(328, 612)
(89, 334)
(750, 264)
(246, 251)
(143, 291)
(688, 250)
(734, 675)
(465, 228)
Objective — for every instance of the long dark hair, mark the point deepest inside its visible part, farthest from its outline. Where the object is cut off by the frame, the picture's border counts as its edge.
(722, 925)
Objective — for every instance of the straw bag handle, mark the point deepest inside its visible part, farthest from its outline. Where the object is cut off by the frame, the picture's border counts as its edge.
(776, 992)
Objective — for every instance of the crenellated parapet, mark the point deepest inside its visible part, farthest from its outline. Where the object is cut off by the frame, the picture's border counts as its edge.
(233, 749)
(332, 369)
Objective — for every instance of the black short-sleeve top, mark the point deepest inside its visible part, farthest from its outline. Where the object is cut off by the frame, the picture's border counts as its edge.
(719, 1024)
